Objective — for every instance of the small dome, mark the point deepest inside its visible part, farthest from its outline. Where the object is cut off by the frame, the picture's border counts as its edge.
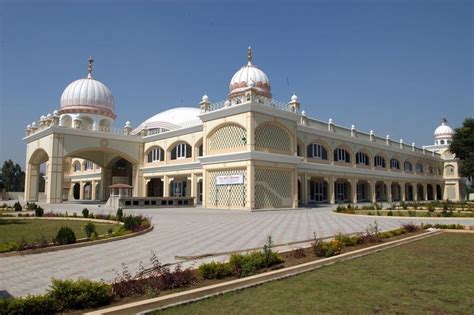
(88, 96)
(443, 131)
(294, 98)
(205, 98)
(250, 76)
(171, 119)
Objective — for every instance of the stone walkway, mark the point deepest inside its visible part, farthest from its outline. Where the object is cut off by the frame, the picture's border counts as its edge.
(181, 232)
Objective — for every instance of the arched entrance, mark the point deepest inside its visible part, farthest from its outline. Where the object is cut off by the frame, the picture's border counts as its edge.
(380, 191)
(439, 192)
(396, 192)
(408, 192)
(342, 190)
(76, 191)
(155, 187)
(429, 191)
(36, 164)
(363, 191)
(420, 193)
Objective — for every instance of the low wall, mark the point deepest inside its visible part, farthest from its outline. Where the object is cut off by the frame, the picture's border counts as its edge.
(19, 195)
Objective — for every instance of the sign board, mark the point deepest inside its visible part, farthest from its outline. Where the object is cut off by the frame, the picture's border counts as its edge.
(230, 179)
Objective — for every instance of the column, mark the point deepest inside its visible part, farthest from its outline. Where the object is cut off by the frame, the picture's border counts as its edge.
(31, 182)
(81, 190)
(373, 196)
(389, 191)
(93, 188)
(294, 176)
(435, 192)
(402, 192)
(192, 178)
(304, 189)
(425, 191)
(166, 186)
(250, 202)
(415, 191)
(354, 190)
(331, 195)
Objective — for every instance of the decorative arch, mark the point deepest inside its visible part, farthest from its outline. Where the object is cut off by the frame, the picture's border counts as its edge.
(363, 157)
(300, 150)
(380, 160)
(154, 154)
(313, 152)
(226, 136)
(180, 150)
(66, 121)
(199, 147)
(273, 137)
(395, 164)
(419, 168)
(38, 157)
(408, 166)
(342, 154)
(449, 170)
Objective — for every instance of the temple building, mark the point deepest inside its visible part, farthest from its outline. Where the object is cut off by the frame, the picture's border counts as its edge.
(247, 152)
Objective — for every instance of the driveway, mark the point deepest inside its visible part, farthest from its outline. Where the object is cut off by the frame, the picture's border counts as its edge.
(181, 232)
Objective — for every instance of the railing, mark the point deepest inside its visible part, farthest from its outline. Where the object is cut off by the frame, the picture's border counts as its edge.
(266, 102)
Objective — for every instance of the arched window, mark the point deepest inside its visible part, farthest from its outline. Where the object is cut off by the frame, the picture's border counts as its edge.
(379, 161)
(181, 151)
(77, 166)
(362, 158)
(394, 164)
(430, 170)
(441, 141)
(156, 155)
(89, 165)
(317, 151)
(342, 155)
(407, 166)
(419, 168)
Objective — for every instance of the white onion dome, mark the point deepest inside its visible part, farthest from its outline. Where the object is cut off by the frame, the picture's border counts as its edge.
(250, 76)
(443, 131)
(171, 119)
(88, 96)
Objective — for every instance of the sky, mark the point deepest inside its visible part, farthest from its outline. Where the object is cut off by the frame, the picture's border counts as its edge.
(394, 67)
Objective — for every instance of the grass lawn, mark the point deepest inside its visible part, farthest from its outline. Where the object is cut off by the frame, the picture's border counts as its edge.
(434, 276)
(13, 230)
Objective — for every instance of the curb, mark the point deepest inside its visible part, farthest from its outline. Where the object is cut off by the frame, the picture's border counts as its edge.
(406, 218)
(75, 245)
(238, 284)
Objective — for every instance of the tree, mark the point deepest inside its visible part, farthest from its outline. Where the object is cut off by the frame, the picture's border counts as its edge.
(463, 146)
(13, 177)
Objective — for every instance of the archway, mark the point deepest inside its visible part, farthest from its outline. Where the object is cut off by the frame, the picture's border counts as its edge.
(408, 192)
(363, 191)
(155, 187)
(439, 192)
(380, 191)
(36, 165)
(429, 190)
(76, 191)
(396, 192)
(342, 190)
(420, 192)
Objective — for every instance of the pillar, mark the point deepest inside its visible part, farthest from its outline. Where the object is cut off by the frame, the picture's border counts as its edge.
(166, 186)
(93, 194)
(354, 190)
(373, 196)
(31, 182)
(415, 191)
(304, 189)
(81, 190)
(55, 179)
(389, 191)
(331, 195)
(425, 191)
(192, 178)
(402, 192)
(294, 176)
(250, 202)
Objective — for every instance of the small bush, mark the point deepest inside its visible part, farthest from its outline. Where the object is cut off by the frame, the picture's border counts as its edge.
(347, 240)
(17, 206)
(215, 270)
(8, 247)
(85, 213)
(410, 227)
(119, 214)
(110, 231)
(89, 229)
(135, 223)
(332, 248)
(371, 234)
(80, 294)
(390, 213)
(245, 265)
(443, 226)
(65, 236)
(39, 211)
(404, 205)
(298, 253)
(30, 304)
(4, 206)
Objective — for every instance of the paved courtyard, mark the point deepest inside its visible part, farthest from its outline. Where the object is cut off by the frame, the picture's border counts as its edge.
(181, 232)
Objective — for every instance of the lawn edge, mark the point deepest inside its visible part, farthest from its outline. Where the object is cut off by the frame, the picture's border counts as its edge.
(238, 284)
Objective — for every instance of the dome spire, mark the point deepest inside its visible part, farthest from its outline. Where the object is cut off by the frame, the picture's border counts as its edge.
(89, 68)
(249, 55)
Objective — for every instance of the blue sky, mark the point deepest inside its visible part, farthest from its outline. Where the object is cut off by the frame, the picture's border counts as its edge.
(391, 66)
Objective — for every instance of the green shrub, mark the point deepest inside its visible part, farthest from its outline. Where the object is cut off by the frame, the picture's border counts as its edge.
(332, 248)
(248, 264)
(85, 213)
(404, 205)
(8, 247)
(39, 211)
(30, 304)
(17, 206)
(89, 229)
(65, 236)
(119, 214)
(347, 240)
(390, 213)
(215, 270)
(80, 294)
(4, 206)
(443, 226)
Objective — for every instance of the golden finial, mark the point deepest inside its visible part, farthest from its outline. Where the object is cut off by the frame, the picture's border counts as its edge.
(249, 54)
(89, 68)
